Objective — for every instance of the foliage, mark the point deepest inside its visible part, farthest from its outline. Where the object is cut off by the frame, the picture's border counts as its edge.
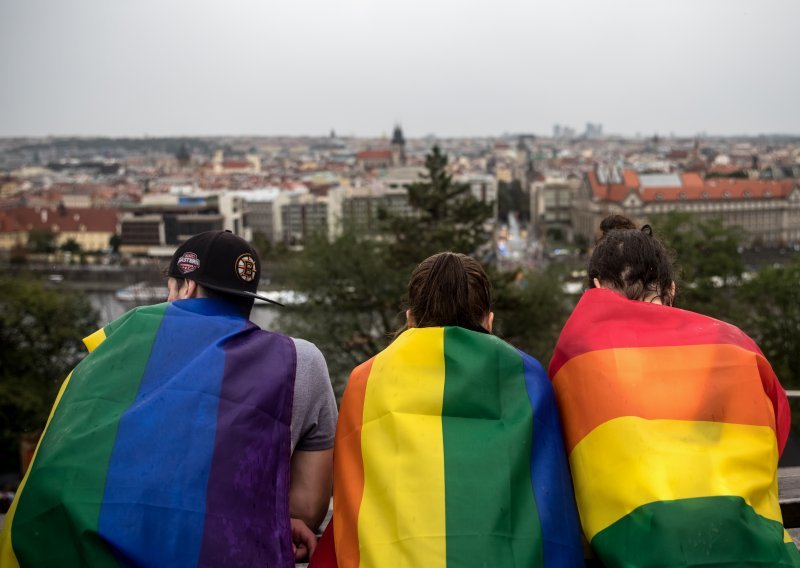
(40, 341)
(71, 245)
(447, 217)
(262, 245)
(114, 242)
(708, 261)
(354, 294)
(511, 198)
(530, 310)
(772, 318)
(41, 240)
(356, 284)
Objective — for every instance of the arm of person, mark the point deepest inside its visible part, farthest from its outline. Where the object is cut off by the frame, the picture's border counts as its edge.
(313, 424)
(311, 486)
(304, 542)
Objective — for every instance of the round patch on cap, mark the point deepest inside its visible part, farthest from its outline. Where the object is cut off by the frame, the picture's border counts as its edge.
(188, 262)
(246, 268)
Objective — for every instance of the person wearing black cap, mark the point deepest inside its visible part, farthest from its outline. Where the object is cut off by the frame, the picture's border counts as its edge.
(222, 266)
(188, 436)
(216, 264)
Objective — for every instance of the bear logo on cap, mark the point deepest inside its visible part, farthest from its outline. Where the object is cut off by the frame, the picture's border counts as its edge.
(246, 268)
(188, 262)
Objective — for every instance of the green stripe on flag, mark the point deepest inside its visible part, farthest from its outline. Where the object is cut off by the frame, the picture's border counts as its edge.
(57, 517)
(705, 531)
(491, 514)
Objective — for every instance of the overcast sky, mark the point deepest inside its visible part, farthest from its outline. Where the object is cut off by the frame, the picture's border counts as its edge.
(444, 67)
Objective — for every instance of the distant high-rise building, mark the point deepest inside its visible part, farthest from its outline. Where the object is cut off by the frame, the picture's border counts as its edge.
(593, 131)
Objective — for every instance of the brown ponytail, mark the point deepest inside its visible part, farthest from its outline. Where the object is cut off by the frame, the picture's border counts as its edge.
(449, 289)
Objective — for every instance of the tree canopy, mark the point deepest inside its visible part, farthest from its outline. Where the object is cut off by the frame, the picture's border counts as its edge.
(771, 315)
(356, 284)
(709, 264)
(40, 341)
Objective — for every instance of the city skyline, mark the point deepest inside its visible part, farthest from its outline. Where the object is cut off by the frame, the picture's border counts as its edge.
(452, 69)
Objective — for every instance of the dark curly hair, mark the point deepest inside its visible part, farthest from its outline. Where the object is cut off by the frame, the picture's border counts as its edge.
(632, 261)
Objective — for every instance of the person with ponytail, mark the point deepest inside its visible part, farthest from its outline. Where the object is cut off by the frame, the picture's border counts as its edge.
(673, 421)
(448, 450)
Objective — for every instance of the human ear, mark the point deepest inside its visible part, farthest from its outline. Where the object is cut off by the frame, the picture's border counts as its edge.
(189, 290)
(487, 323)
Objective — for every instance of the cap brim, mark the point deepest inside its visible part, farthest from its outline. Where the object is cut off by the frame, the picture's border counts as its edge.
(242, 293)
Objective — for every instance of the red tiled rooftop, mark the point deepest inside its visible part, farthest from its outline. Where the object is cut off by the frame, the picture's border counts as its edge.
(607, 191)
(66, 220)
(8, 224)
(693, 187)
(374, 155)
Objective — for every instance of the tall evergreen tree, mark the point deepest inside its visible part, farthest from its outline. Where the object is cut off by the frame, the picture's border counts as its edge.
(446, 216)
(355, 285)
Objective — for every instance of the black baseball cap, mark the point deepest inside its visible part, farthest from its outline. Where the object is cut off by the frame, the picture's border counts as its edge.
(221, 261)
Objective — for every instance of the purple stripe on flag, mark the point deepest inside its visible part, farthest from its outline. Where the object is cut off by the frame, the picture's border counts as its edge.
(247, 501)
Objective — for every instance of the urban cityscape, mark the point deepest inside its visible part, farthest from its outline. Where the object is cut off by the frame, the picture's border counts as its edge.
(531, 270)
(141, 198)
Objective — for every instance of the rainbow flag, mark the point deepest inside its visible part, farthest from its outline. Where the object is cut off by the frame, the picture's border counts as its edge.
(168, 445)
(449, 452)
(673, 422)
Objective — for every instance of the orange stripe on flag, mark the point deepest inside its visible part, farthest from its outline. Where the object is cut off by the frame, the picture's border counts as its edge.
(714, 383)
(348, 479)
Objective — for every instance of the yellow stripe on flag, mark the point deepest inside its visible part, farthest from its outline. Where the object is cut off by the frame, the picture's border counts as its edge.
(92, 341)
(630, 461)
(7, 557)
(403, 452)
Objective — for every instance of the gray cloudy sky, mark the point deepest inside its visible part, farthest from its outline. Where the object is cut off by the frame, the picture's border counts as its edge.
(448, 67)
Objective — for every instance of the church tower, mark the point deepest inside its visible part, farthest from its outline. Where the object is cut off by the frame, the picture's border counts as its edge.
(398, 147)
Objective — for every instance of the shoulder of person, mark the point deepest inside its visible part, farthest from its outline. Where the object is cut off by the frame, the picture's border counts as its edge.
(307, 349)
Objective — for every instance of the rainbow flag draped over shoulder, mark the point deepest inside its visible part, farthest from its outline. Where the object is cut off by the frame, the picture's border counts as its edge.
(449, 452)
(674, 422)
(168, 445)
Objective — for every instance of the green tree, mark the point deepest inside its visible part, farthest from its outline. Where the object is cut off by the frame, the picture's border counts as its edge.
(709, 263)
(355, 284)
(262, 244)
(353, 299)
(114, 242)
(40, 341)
(446, 216)
(512, 198)
(71, 245)
(530, 310)
(772, 318)
(41, 240)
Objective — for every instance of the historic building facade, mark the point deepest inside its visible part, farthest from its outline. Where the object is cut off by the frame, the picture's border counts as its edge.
(767, 210)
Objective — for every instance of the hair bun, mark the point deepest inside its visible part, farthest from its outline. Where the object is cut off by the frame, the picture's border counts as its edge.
(615, 222)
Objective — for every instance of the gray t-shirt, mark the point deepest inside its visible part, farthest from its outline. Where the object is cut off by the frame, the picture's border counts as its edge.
(314, 412)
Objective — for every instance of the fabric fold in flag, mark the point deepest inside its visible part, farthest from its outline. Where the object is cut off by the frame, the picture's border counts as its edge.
(160, 444)
(449, 453)
(674, 423)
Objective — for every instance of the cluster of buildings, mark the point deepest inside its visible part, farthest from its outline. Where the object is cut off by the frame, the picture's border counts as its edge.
(144, 197)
